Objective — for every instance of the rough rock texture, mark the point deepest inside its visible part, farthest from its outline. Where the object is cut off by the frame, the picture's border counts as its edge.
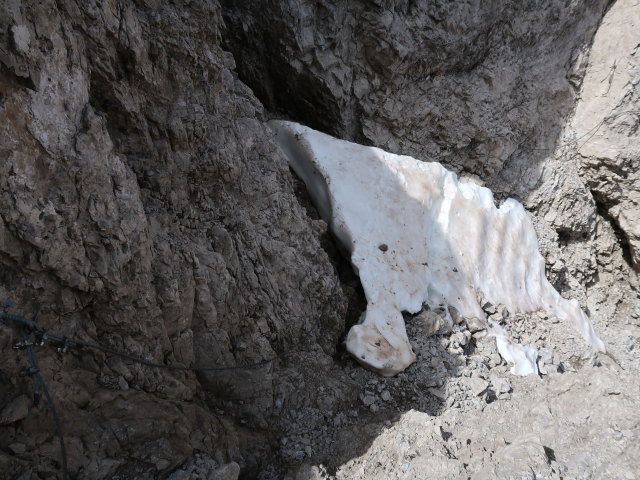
(144, 205)
(479, 86)
(608, 152)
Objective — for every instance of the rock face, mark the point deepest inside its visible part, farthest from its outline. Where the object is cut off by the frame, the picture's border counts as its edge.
(481, 86)
(144, 205)
(608, 151)
(419, 238)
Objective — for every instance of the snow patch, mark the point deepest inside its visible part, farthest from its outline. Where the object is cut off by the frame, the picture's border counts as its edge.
(416, 235)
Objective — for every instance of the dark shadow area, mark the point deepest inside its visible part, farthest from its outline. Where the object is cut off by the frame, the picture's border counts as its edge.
(603, 210)
(282, 89)
(380, 402)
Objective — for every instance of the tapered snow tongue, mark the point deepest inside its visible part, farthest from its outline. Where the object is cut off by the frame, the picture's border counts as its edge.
(416, 235)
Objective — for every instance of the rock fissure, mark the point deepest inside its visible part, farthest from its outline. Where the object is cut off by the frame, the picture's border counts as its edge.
(621, 239)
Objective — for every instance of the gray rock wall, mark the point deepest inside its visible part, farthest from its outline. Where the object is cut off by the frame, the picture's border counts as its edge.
(483, 87)
(144, 206)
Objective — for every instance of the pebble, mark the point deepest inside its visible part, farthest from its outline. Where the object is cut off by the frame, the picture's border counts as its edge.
(438, 392)
(475, 325)
(542, 368)
(546, 355)
(386, 396)
(480, 334)
(368, 400)
(495, 359)
(462, 337)
(500, 385)
(476, 385)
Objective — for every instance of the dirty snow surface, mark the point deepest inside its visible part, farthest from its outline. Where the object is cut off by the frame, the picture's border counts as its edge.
(417, 236)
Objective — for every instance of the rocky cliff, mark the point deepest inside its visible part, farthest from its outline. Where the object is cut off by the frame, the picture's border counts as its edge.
(145, 206)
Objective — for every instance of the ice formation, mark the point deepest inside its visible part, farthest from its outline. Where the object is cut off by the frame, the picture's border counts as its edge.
(415, 236)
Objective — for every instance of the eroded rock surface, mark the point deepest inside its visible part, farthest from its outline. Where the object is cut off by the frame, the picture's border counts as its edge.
(145, 206)
(484, 87)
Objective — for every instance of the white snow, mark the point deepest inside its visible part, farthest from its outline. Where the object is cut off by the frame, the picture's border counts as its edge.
(416, 235)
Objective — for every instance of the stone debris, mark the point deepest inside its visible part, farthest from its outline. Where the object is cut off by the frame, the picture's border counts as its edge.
(500, 385)
(477, 385)
(16, 410)
(368, 400)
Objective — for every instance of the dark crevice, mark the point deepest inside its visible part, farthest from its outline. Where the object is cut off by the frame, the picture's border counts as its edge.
(470, 348)
(9, 273)
(287, 92)
(15, 80)
(567, 236)
(550, 454)
(104, 100)
(602, 207)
